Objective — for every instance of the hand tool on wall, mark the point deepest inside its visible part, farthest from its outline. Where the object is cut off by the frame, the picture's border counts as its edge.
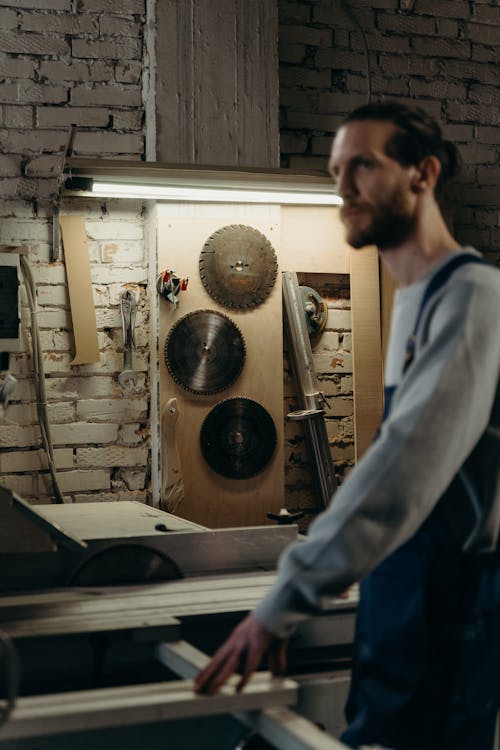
(169, 285)
(172, 485)
(128, 307)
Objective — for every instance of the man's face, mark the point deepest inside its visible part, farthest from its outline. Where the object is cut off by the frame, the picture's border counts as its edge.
(379, 205)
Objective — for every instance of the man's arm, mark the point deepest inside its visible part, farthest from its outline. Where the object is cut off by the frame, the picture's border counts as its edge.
(440, 411)
(442, 408)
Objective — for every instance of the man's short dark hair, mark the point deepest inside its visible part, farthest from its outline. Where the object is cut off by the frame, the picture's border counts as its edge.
(418, 135)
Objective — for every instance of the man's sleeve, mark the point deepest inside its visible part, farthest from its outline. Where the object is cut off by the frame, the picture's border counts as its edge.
(439, 413)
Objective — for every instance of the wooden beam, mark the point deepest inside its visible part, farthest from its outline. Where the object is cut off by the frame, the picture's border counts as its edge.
(366, 345)
(51, 714)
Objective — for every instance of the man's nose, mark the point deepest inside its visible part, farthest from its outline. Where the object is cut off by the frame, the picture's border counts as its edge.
(346, 186)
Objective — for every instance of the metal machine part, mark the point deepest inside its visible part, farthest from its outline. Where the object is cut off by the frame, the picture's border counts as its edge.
(238, 438)
(101, 663)
(169, 285)
(316, 310)
(310, 398)
(128, 307)
(125, 564)
(238, 266)
(205, 352)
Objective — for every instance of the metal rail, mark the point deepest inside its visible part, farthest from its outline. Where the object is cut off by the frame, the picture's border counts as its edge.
(310, 397)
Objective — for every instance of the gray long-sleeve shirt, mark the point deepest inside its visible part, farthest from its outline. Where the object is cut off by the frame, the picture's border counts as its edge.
(444, 422)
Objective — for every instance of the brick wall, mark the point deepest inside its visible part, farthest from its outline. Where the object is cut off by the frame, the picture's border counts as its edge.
(65, 62)
(443, 55)
(84, 62)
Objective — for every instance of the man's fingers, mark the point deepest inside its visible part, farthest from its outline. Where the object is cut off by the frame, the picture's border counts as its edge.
(277, 658)
(216, 673)
(244, 648)
(254, 657)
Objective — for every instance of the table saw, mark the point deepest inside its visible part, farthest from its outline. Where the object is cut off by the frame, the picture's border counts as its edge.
(109, 609)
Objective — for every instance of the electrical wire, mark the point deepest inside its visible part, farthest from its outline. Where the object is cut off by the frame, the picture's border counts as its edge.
(39, 379)
(13, 673)
(349, 13)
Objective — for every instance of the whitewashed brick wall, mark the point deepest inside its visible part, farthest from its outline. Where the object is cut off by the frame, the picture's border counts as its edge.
(65, 62)
(101, 434)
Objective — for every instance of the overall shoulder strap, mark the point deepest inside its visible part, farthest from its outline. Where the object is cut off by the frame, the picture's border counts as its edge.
(438, 280)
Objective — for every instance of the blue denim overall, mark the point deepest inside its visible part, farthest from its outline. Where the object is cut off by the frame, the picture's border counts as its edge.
(426, 672)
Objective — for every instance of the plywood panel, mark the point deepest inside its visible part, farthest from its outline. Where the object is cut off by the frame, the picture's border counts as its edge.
(211, 499)
(77, 263)
(312, 240)
(387, 289)
(366, 343)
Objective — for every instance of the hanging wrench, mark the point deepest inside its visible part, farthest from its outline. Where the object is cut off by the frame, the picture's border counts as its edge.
(128, 307)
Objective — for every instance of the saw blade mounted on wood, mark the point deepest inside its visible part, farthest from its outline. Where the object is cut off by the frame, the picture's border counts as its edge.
(238, 266)
(205, 352)
(238, 438)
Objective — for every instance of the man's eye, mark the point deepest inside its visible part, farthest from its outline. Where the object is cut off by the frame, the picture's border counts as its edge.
(366, 163)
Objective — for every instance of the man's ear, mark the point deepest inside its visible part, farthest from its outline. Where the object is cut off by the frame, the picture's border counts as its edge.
(426, 174)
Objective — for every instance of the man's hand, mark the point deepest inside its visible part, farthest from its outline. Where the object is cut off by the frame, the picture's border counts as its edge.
(244, 649)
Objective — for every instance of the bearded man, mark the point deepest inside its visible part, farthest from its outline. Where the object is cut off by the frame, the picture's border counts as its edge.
(417, 520)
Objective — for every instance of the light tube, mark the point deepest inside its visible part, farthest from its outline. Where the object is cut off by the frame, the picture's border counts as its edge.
(102, 189)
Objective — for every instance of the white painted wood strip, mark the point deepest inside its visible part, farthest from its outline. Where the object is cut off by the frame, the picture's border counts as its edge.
(286, 730)
(96, 709)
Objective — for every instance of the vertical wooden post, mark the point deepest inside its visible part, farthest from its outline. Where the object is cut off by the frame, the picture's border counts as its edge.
(217, 89)
(366, 345)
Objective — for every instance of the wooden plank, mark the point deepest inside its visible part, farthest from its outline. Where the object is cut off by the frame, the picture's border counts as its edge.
(286, 730)
(257, 84)
(67, 624)
(366, 344)
(387, 288)
(28, 615)
(217, 83)
(47, 715)
(76, 258)
(209, 498)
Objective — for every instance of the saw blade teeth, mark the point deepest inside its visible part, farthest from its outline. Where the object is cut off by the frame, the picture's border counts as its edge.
(238, 266)
(204, 352)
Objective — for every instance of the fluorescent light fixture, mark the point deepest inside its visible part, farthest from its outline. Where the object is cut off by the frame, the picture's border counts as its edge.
(212, 195)
(152, 181)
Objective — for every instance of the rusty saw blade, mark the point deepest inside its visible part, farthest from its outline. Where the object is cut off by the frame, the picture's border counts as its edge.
(238, 266)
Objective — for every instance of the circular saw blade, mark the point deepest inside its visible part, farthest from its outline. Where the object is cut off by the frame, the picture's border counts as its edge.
(128, 563)
(238, 266)
(238, 438)
(205, 351)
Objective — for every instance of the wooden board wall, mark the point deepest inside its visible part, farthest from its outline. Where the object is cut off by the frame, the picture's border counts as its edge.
(217, 82)
(210, 499)
(306, 239)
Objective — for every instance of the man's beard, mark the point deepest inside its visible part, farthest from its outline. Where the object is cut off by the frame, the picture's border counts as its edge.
(390, 224)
